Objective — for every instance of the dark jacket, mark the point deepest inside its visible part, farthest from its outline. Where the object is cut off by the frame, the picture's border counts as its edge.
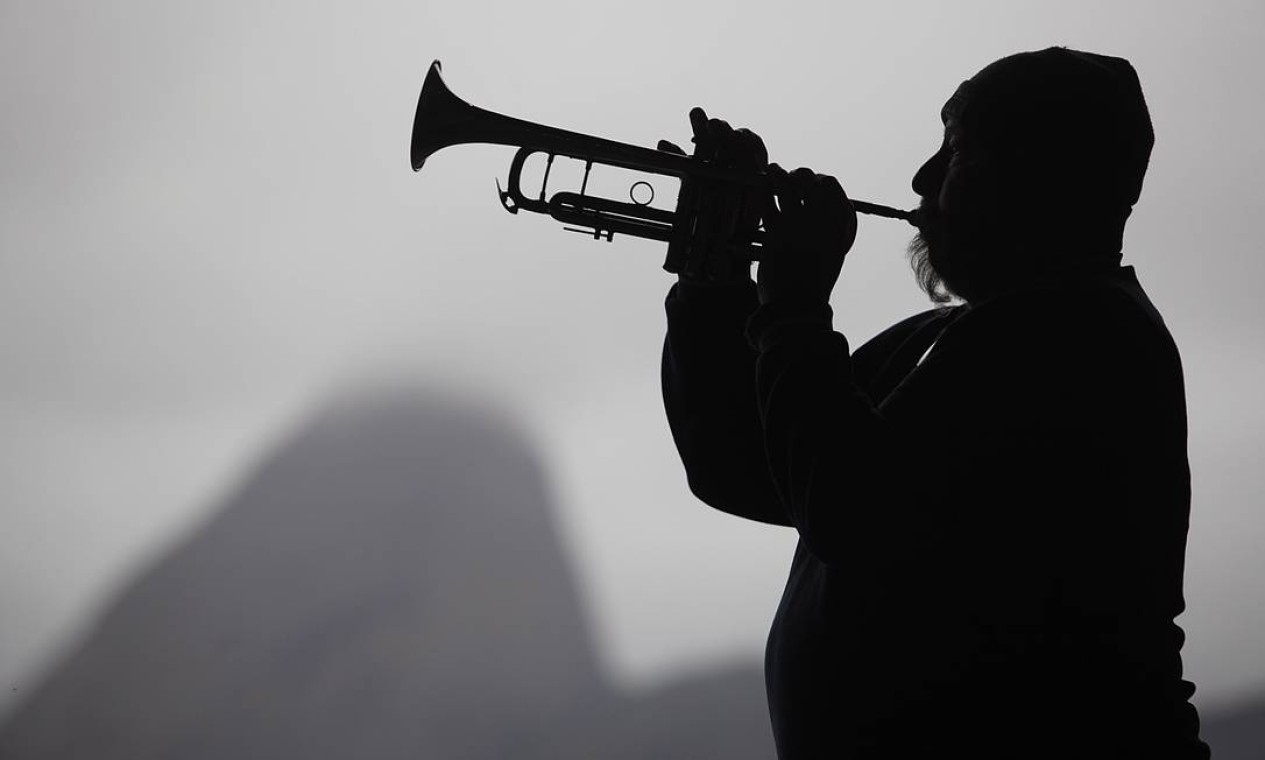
(991, 541)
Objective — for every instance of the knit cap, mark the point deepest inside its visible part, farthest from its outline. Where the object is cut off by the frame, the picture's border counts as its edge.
(1075, 120)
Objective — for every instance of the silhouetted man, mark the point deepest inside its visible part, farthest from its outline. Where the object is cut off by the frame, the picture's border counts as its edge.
(991, 498)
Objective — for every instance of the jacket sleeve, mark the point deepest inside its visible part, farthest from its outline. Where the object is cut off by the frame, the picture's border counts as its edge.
(709, 394)
(832, 455)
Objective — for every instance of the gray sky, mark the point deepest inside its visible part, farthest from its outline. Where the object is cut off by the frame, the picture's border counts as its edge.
(209, 225)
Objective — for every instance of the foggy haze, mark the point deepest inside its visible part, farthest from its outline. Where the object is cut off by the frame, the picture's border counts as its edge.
(387, 583)
(209, 226)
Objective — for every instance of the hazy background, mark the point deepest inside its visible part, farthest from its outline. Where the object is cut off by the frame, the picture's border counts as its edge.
(208, 227)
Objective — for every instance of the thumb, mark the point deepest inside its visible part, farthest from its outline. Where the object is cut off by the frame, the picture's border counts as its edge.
(670, 147)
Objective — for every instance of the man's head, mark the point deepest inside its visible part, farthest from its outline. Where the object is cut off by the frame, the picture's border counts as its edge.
(1042, 160)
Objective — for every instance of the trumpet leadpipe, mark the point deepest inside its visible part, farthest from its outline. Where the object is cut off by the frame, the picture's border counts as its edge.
(876, 209)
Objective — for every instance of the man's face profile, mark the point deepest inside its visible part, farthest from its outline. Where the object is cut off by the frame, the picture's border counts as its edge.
(955, 187)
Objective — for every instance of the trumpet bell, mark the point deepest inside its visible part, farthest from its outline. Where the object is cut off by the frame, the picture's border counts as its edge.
(442, 118)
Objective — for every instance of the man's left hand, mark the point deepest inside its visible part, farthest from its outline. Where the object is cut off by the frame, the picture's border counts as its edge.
(809, 231)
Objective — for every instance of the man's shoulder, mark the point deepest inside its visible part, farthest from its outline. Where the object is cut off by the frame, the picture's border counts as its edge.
(1110, 308)
(1098, 337)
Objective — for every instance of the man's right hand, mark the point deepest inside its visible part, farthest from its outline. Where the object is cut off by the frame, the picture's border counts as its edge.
(809, 232)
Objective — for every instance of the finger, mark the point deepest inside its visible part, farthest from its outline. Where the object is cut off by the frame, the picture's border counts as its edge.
(720, 127)
(778, 180)
(831, 185)
(770, 214)
(698, 120)
(723, 135)
(804, 179)
(798, 185)
(671, 147)
(704, 145)
(751, 151)
(826, 189)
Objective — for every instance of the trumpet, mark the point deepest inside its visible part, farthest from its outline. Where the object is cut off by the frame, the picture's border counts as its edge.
(443, 119)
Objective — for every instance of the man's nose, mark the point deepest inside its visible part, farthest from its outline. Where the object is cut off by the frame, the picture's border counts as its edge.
(929, 176)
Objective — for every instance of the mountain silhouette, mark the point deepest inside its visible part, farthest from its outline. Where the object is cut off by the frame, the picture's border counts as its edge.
(1236, 732)
(388, 584)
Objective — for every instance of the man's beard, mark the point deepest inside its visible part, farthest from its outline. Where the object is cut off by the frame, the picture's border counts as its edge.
(919, 253)
(930, 236)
